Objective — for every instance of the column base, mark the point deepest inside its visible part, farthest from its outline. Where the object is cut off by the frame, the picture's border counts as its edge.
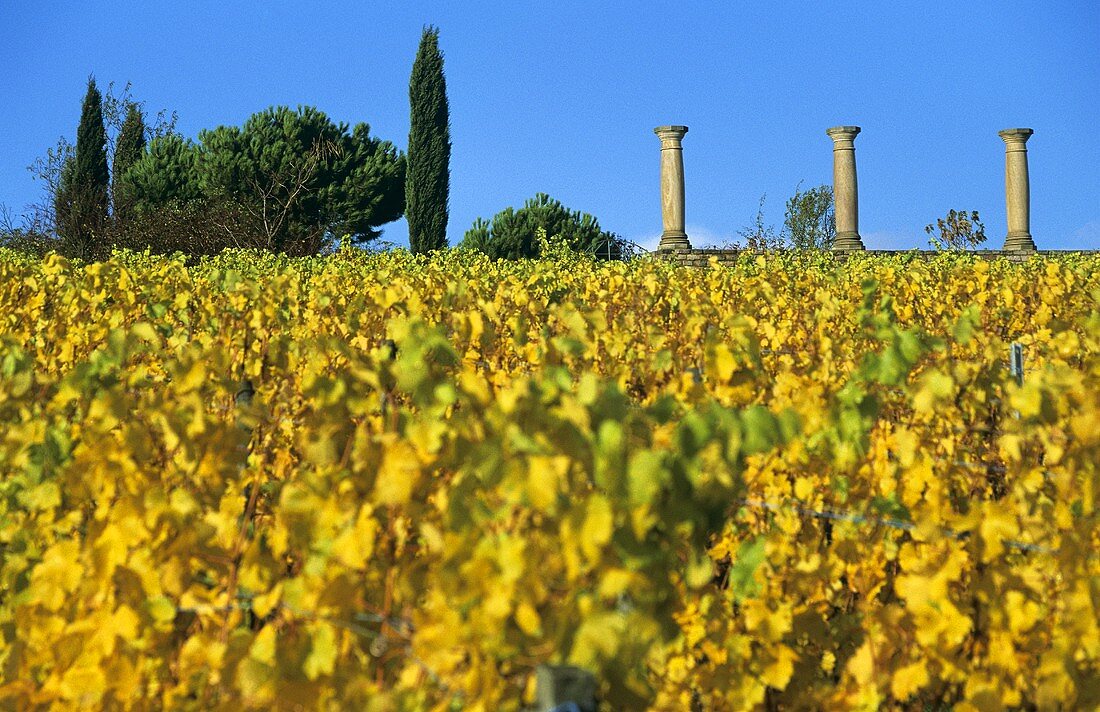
(674, 241)
(1019, 241)
(847, 242)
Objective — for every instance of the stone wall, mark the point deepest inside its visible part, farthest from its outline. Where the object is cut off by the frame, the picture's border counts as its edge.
(701, 257)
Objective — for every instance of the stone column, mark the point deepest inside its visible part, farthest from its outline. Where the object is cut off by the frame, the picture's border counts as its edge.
(672, 187)
(1017, 190)
(845, 192)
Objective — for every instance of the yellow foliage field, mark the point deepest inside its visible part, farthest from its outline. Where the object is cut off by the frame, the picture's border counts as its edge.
(387, 482)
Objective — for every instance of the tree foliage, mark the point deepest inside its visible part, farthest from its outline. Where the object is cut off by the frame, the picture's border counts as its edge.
(299, 178)
(514, 234)
(167, 172)
(956, 231)
(810, 219)
(808, 223)
(758, 235)
(428, 181)
(194, 228)
(116, 109)
(22, 236)
(128, 150)
(81, 202)
(40, 218)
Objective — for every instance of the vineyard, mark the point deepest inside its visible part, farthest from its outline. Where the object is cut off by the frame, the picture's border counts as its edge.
(387, 482)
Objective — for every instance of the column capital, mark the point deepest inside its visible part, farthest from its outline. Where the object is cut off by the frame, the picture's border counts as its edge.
(1015, 138)
(671, 135)
(842, 135)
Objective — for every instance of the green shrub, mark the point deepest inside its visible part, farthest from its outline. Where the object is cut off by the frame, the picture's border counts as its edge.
(514, 234)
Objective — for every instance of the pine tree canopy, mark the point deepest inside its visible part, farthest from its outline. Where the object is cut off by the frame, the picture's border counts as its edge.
(295, 173)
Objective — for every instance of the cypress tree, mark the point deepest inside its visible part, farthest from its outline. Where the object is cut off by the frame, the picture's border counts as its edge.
(427, 182)
(128, 149)
(82, 199)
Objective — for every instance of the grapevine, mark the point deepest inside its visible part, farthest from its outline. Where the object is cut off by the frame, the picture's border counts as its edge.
(796, 482)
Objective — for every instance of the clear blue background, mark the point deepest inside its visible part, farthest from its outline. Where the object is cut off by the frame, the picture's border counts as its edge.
(562, 97)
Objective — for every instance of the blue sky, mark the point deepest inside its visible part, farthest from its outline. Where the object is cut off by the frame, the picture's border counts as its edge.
(563, 97)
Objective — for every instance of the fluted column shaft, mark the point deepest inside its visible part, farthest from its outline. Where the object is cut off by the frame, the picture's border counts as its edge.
(1017, 190)
(672, 187)
(845, 189)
